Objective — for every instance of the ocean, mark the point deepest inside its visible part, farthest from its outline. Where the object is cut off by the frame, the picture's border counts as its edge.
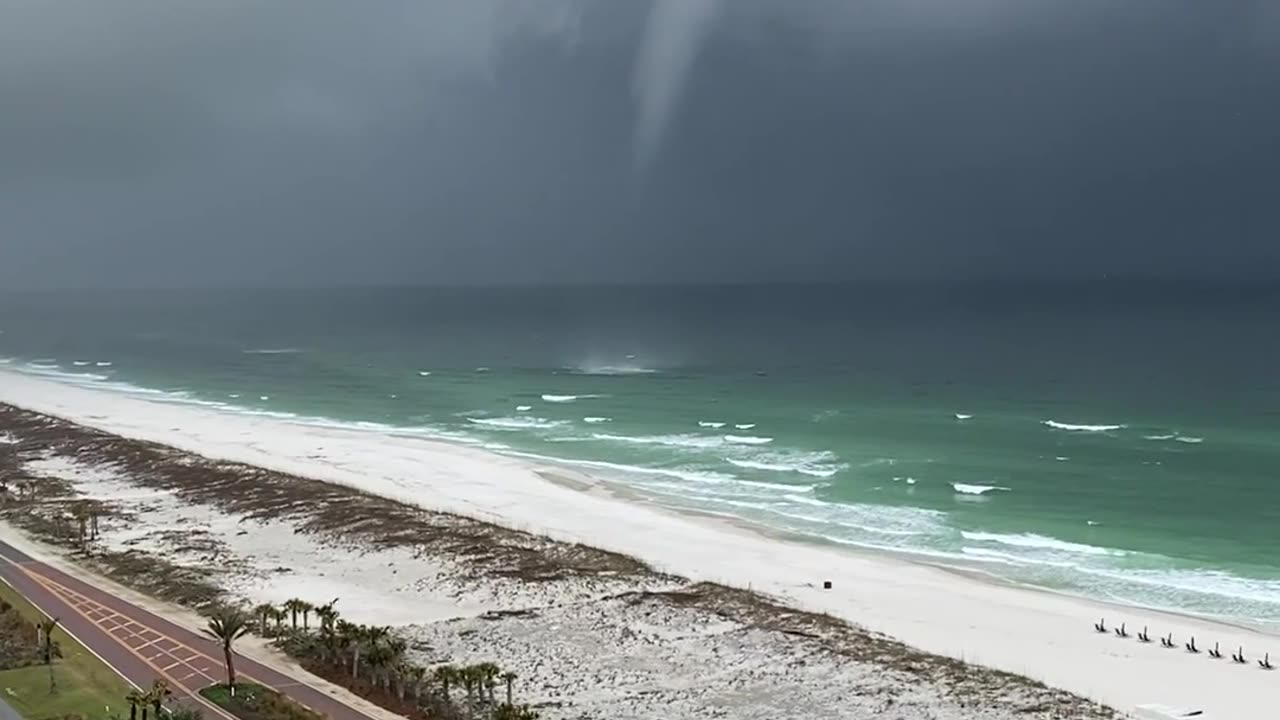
(1118, 442)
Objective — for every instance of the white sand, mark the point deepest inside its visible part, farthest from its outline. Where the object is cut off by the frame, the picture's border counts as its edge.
(1038, 634)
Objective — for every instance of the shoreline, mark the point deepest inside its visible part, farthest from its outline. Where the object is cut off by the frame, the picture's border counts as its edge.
(1027, 631)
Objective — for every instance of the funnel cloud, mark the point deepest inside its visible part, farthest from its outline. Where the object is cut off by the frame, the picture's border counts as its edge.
(668, 51)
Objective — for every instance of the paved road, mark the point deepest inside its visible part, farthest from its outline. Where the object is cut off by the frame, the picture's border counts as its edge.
(144, 647)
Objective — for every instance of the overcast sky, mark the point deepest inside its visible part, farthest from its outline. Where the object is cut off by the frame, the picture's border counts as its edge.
(317, 142)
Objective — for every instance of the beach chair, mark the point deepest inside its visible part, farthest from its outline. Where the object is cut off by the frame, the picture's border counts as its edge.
(1120, 631)
(1191, 646)
(1168, 641)
(1101, 625)
(1238, 656)
(1265, 662)
(1143, 636)
(1215, 653)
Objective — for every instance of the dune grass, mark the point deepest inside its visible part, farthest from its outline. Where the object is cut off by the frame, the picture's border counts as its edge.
(86, 686)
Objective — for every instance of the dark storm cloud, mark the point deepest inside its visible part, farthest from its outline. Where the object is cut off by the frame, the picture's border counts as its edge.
(148, 142)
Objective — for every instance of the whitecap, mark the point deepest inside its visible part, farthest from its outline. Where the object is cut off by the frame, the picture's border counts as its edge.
(966, 489)
(1092, 523)
(482, 369)
(517, 423)
(103, 364)
(818, 464)
(595, 420)
(234, 395)
(911, 481)
(1079, 428)
(747, 439)
(523, 408)
(746, 426)
(1170, 436)
(424, 373)
(566, 398)
(264, 397)
(1191, 440)
(272, 351)
(683, 441)
(81, 363)
(612, 370)
(1041, 542)
(963, 416)
(710, 424)
(1061, 458)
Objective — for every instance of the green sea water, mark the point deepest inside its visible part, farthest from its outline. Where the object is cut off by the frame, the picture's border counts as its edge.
(1121, 445)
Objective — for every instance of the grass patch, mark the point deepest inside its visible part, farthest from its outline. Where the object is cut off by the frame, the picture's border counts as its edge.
(86, 685)
(255, 702)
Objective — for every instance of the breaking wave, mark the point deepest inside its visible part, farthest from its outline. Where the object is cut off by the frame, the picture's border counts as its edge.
(710, 424)
(746, 426)
(1030, 540)
(1079, 428)
(966, 489)
(681, 441)
(747, 439)
(516, 423)
(595, 420)
(566, 398)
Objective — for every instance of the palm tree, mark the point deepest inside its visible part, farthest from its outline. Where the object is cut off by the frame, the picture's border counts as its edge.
(135, 697)
(509, 678)
(305, 608)
(44, 635)
(444, 675)
(159, 693)
(279, 616)
(264, 613)
(485, 673)
(294, 606)
(327, 617)
(417, 674)
(82, 522)
(227, 626)
(379, 660)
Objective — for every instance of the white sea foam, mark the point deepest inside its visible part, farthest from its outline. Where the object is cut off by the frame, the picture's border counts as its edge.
(625, 369)
(823, 464)
(233, 395)
(523, 408)
(43, 366)
(264, 397)
(747, 439)
(81, 363)
(424, 373)
(966, 489)
(963, 416)
(1040, 542)
(272, 351)
(566, 398)
(1168, 436)
(681, 441)
(745, 426)
(8, 439)
(103, 364)
(1014, 559)
(710, 424)
(596, 420)
(1187, 439)
(1079, 428)
(516, 423)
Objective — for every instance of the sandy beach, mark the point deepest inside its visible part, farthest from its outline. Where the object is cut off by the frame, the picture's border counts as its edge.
(599, 633)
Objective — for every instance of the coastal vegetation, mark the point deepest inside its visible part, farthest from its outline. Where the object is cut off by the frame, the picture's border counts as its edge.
(373, 662)
(34, 649)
